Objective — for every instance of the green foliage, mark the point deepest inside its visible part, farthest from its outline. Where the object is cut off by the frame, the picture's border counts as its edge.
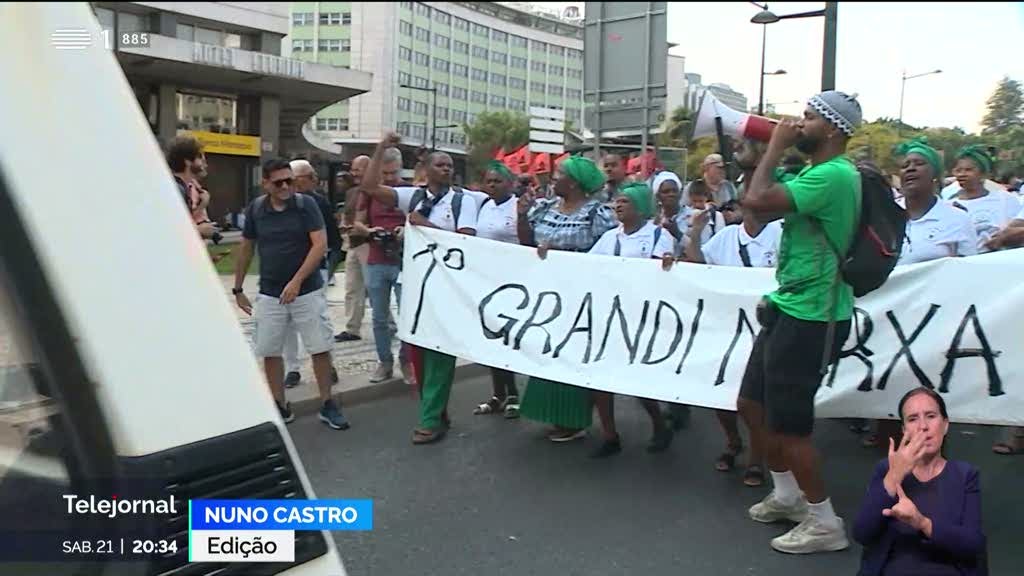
(491, 130)
(1005, 107)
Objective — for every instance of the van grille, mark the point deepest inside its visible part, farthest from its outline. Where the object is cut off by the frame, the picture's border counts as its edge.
(248, 464)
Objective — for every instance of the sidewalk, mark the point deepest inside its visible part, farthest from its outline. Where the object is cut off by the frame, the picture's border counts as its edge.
(354, 361)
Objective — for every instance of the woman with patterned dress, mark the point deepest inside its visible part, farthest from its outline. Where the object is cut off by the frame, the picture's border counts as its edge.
(573, 220)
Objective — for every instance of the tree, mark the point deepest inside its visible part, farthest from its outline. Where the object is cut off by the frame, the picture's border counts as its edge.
(875, 141)
(677, 128)
(493, 130)
(1005, 107)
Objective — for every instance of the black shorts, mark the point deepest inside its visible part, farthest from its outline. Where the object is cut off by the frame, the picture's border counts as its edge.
(784, 369)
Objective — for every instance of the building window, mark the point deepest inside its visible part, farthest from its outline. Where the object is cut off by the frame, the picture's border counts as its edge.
(404, 78)
(442, 113)
(573, 114)
(517, 62)
(538, 45)
(334, 45)
(461, 24)
(479, 97)
(519, 41)
(575, 74)
(537, 87)
(480, 52)
(499, 57)
(573, 93)
(538, 66)
(346, 18)
(302, 45)
(460, 70)
(517, 104)
(330, 18)
(346, 45)
(422, 59)
(442, 41)
(301, 19)
(420, 82)
(405, 28)
(422, 34)
(555, 90)
(498, 79)
(419, 108)
(461, 47)
(556, 70)
(442, 17)
(470, 117)
(575, 55)
(332, 124)
(404, 104)
(497, 101)
(482, 31)
(442, 89)
(479, 74)
(404, 53)
(557, 50)
(440, 65)
(458, 116)
(207, 113)
(203, 35)
(458, 138)
(458, 93)
(536, 104)
(423, 9)
(406, 5)
(517, 83)
(499, 36)
(185, 32)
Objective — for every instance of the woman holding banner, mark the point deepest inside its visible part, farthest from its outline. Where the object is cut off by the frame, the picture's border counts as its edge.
(635, 237)
(990, 210)
(573, 220)
(497, 220)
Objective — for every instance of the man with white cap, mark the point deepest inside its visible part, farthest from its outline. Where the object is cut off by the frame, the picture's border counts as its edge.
(810, 310)
(722, 190)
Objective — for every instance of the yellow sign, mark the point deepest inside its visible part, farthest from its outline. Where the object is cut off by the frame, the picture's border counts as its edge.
(234, 144)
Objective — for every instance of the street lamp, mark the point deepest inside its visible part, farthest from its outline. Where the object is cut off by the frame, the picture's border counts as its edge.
(899, 127)
(433, 107)
(779, 72)
(828, 60)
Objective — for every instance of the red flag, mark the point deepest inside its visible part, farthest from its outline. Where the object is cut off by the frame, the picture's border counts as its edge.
(500, 154)
(541, 164)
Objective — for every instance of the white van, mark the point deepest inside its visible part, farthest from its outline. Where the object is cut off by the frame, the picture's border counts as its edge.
(120, 354)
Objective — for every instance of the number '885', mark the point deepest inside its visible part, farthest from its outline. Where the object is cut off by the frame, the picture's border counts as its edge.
(137, 39)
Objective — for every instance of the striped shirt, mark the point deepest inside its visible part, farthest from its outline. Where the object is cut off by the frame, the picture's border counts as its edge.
(576, 232)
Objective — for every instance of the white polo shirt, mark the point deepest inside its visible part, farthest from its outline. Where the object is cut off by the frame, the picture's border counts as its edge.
(498, 221)
(441, 215)
(943, 231)
(724, 248)
(990, 214)
(684, 218)
(639, 244)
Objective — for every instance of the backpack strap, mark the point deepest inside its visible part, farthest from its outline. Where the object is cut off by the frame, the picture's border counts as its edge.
(456, 205)
(744, 253)
(618, 246)
(417, 197)
(657, 237)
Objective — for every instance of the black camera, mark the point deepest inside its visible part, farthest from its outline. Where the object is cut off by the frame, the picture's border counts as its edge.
(382, 236)
(387, 241)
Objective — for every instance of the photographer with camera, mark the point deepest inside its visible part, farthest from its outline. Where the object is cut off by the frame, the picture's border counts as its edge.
(188, 164)
(383, 225)
(437, 205)
(356, 252)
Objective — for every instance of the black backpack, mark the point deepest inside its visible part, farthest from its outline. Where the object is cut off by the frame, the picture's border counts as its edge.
(421, 194)
(878, 240)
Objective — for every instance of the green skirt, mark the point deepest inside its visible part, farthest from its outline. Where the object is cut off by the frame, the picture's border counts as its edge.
(556, 403)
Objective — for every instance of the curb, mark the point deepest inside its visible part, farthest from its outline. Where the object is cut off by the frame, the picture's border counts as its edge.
(378, 391)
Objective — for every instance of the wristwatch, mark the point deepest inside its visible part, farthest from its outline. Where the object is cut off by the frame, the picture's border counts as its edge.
(236, 291)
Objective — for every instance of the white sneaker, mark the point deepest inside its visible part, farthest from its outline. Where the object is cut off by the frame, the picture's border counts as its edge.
(813, 535)
(382, 373)
(771, 510)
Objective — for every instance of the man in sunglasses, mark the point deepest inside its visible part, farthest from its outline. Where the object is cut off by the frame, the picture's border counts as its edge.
(288, 230)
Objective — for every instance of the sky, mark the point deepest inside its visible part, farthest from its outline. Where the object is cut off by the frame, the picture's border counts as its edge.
(974, 45)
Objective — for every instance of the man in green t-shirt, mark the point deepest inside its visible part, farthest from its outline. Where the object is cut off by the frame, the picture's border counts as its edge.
(806, 316)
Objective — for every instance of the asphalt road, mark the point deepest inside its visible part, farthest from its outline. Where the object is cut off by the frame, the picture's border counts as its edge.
(494, 497)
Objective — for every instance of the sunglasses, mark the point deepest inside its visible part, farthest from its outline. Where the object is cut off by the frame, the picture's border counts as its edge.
(282, 182)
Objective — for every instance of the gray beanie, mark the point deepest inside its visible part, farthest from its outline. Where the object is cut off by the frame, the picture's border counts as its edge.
(842, 110)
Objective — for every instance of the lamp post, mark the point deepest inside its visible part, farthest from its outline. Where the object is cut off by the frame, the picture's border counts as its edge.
(760, 101)
(828, 59)
(903, 88)
(433, 111)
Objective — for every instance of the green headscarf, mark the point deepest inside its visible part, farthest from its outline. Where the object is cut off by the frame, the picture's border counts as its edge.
(979, 155)
(920, 146)
(641, 196)
(583, 170)
(501, 169)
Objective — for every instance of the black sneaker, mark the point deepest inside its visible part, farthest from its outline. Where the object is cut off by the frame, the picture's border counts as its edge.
(292, 379)
(331, 415)
(660, 441)
(607, 448)
(347, 337)
(286, 412)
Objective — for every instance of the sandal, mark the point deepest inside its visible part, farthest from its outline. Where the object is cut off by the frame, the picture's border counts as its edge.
(490, 407)
(422, 436)
(512, 408)
(754, 476)
(727, 461)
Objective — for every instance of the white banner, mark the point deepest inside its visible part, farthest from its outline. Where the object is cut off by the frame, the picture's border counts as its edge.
(629, 327)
